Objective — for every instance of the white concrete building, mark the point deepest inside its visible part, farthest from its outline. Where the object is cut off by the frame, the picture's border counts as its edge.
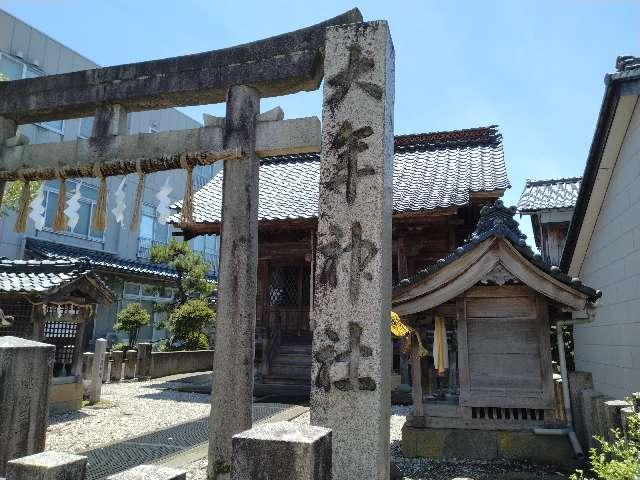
(118, 254)
(603, 243)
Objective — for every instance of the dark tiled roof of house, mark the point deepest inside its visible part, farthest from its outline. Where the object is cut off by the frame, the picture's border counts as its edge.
(99, 260)
(549, 194)
(43, 276)
(431, 170)
(498, 221)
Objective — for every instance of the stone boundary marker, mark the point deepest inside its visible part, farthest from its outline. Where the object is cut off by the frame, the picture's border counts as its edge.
(97, 371)
(149, 472)
(283, 451)
(48, 465)
(25, 374)
(350, 376)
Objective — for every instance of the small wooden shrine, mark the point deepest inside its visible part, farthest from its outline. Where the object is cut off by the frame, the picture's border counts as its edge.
(53, 301)
(490, 303)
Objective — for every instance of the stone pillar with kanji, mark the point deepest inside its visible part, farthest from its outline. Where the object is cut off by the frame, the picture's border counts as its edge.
(351, 344)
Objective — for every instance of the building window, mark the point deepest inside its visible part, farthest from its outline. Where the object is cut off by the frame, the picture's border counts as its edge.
(151, 231)
(148, 296)
(86, 127)
(15, 69)
(208, 246)
(85, 212)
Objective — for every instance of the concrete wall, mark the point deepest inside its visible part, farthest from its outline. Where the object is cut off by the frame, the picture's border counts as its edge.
(171, 363)
(609, 348)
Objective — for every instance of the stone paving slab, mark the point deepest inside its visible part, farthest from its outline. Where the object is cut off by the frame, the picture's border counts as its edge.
(185, 457)
(162, 444)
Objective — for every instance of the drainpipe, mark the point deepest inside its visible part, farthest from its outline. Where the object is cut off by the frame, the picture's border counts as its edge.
(568, 430)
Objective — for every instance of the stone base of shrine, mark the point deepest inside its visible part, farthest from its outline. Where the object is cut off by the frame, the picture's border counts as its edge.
(443, 443)
(65, 394)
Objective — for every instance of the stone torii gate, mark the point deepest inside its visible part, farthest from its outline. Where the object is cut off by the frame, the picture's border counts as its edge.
(351, 358)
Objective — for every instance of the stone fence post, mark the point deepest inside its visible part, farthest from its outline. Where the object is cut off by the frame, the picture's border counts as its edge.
(48, 465)
(116, 366)
(282, 450)
(143, 368)
(97, 371)
(131, 357)
(25, 374)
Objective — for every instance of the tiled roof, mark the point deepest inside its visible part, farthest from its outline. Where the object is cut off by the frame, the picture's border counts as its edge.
(432, 170)
(43, 276)
(497, 221)
(549, 194)
(99, 260)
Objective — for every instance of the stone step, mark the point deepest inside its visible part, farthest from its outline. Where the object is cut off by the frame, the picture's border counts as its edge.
(295, 348)
(285, 380)
(294, 371)
(292, 359)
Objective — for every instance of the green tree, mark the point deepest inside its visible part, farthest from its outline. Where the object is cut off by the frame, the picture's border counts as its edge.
(190, 310)
(13, 189)
(187, 323)
(130, 319)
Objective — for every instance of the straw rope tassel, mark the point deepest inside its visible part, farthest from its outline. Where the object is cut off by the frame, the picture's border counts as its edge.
(23, 207)
(186, 212)
(99, 222)
(137, 204)
(60, 219)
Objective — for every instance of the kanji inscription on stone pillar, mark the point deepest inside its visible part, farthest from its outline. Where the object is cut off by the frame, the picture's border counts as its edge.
(351, 345)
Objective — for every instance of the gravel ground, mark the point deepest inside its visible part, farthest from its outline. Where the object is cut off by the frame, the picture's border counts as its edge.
(127, 409)
(424, 469)
(130, 409)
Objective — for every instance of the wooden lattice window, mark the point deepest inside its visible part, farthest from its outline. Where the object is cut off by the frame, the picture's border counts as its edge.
(288, 286)
(18, 315)
(61, 332)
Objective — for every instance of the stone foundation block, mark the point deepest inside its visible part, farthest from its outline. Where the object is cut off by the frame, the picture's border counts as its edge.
(47, 465)
(486, 445)
(150, 472)
(282, 450)
(544, 449)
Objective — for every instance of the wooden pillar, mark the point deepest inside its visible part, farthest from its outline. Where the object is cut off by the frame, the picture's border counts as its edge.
(416, 377)
(403, 272)
(37, 315)
(232, 397)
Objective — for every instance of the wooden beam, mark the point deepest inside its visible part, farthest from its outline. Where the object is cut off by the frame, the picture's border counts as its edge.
(118, 154)
(275, 66)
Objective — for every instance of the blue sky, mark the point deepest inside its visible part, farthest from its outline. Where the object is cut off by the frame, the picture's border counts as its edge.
(534, 68)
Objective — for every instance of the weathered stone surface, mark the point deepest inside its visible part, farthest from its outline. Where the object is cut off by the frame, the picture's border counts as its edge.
(117, 357)
(25, 374)
(144, 360)
(275, 66)
(409, 440)
(97, 371)
(87, 365)
(544, 449)
(586, 406)
(232, 397)
(47, 465)
(579, 382)
(351, 345)
(298, 135)
(131, 357)
(282, 450)
(456, 443)
(149, 472)
(613, 416)
(488, 444)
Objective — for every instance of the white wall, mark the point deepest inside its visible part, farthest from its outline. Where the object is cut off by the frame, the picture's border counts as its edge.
(610, 346)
